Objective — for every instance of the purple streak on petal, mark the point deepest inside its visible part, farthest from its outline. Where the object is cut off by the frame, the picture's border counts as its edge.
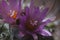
(35, 36)
(22, 19)
(31, 7)
(22, 28)
(40, 28)
(4, 9)
(45, 32)
(42, 25)
(36, 13)
(4, 6)
(27, 10)
(19, 9)
(19, 5)
(52, 18)
(9, 20)
(13, 4)
(46, 22)
(43, 14)
(32, 4)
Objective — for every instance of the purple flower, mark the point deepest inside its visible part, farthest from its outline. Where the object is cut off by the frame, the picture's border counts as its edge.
(32, 21)
(31, 18)
(9, 10)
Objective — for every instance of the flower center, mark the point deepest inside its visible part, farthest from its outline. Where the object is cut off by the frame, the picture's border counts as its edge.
(13, 14)
(31, 25)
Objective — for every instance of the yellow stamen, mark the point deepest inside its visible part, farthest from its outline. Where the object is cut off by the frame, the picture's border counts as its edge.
(13, 14)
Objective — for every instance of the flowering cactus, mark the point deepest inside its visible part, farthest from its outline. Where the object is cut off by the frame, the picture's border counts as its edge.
(29, 20)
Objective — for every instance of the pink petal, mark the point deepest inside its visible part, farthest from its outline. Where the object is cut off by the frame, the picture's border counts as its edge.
(46, 33)
(35, 37)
